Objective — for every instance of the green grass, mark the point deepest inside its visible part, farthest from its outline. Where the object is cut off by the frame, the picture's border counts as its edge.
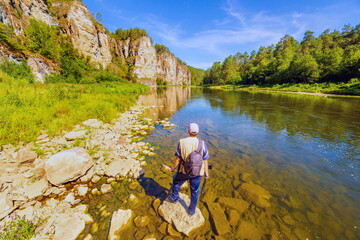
(27, 109)
(18, 229)
(350, 88)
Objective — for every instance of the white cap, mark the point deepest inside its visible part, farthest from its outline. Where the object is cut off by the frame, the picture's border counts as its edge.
(193, 128)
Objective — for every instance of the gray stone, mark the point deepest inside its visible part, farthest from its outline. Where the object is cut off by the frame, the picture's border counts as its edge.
(25, 156)
(176, 213)
(119, 167)
(93, 123)
(67, 165)
(119, 220)
(75, 135)
(69, 228)
(36, 189)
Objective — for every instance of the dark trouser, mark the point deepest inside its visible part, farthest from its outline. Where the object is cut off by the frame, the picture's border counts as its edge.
(179, 179)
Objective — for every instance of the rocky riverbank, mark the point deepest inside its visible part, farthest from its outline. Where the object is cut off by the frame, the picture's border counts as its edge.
(46, 180)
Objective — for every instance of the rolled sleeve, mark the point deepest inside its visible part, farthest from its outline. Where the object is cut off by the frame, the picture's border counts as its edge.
(205, 152)
(178, 151)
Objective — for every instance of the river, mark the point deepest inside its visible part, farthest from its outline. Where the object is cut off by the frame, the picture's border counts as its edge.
(304, 150)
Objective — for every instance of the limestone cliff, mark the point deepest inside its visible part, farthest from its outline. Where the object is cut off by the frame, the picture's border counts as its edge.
(92, 40)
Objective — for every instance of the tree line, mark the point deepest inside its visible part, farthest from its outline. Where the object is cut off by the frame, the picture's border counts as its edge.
(331, 57)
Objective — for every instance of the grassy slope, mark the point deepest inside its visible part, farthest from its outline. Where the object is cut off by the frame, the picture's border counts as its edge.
(29, 109)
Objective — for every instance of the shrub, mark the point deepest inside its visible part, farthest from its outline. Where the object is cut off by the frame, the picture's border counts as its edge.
(20, 71)
(160, 81)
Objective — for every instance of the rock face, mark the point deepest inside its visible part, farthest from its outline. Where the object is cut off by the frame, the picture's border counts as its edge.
(119, 220)
(67, 165)
(92, 40)
(176, 213)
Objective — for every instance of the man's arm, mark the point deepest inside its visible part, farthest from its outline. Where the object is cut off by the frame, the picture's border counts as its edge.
(176, 164)
(206, 168)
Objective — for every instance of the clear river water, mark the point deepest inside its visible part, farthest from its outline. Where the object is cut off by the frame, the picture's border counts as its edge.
(303, 150)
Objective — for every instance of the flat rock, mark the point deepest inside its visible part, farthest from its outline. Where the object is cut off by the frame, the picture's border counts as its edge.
(36, 189)
(67, 165)
(26, 156)
(256, 194)
(93, 123)
(119, 220)
(75, 135)
(119, 167)
(82, 190)
(219, 219)
(176, 213)
(6, 205)
(69, 228)
(240, 205)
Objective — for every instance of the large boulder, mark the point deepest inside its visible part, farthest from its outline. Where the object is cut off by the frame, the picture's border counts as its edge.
(67, 165)
(119, 220)
(256, 194)
(176, 213)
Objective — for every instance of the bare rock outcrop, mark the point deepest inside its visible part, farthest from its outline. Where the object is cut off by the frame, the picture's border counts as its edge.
(67, 165)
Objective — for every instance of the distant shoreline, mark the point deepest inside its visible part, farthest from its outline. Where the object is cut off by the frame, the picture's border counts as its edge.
(285, 91)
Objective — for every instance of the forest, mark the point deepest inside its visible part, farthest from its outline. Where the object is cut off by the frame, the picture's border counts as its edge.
(332, 57)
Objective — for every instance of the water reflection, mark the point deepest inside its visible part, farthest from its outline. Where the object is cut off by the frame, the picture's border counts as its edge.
(167, 100)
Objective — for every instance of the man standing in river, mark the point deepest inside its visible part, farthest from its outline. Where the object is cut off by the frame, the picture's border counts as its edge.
(185, 147)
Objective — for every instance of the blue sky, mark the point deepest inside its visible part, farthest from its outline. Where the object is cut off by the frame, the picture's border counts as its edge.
(201, 32)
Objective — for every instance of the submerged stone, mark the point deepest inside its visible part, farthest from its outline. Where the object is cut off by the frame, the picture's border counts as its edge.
(219, 219)
(256, 194)
(240, 205)
(247, 230)
(176, 213)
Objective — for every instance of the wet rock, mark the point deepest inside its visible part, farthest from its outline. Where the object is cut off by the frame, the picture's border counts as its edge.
(119, 220)
(92, 123)
(69, 228)
(171, 231)
(176, 213)
(219, 219)
(105, 188)
(234, 218)
(67, 165)
(36, 189)
(240, 205)
(247, 230)
(75, 135)
(141, 221)
(88, 237)
(256, 194)
(26, 156)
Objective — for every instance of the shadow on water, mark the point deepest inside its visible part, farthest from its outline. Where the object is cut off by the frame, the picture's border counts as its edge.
(152, 188)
